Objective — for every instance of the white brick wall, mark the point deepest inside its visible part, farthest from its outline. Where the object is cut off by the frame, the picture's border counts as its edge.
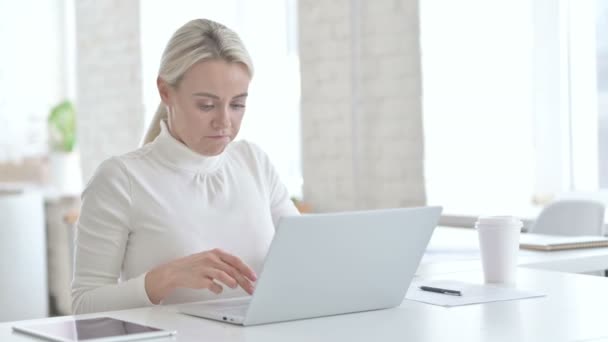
(361, 60)
(109, 104)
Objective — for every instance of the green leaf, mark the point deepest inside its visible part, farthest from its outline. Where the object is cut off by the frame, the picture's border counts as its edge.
(62, 127)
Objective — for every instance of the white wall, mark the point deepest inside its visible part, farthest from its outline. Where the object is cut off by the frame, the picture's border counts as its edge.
(361, 104)
(110, 110)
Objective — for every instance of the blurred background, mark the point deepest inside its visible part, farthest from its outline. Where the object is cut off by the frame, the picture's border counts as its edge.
(483, 107)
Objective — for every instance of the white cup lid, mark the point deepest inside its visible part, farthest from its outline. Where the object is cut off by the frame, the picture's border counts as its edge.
(498, 221)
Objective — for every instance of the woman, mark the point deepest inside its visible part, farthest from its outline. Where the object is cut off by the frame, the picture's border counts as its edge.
(190, 215)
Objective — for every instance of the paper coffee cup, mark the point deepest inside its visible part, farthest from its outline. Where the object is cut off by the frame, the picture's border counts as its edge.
(499, 245)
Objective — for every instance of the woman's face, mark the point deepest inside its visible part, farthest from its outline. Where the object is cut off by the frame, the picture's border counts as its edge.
(207, 107)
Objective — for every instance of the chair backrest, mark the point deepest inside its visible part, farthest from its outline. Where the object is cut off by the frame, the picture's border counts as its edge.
(571, 217)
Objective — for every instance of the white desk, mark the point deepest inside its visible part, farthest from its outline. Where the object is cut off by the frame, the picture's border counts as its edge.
(573, 310)
(457, 249)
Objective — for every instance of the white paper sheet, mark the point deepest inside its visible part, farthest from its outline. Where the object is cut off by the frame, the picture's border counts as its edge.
(471, 293)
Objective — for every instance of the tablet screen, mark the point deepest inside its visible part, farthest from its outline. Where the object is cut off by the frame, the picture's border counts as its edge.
(90, 329)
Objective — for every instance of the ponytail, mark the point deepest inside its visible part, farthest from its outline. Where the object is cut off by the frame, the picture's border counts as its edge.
(154, 128)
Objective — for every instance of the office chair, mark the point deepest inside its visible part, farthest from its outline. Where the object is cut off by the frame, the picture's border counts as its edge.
(571, 217)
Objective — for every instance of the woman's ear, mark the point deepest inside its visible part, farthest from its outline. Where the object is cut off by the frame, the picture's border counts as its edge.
(164, 90)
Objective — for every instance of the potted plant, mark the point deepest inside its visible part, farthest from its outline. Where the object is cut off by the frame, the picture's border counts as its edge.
(64, 164)
(62, 127)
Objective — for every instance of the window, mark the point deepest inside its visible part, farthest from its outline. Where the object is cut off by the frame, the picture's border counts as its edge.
(29, 85)
(513, 102)
(477, 104)
(602, 88)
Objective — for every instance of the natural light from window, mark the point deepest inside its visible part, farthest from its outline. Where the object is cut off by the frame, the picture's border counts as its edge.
(510, 104)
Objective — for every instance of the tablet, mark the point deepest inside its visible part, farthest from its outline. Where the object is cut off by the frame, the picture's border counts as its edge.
(102, 329)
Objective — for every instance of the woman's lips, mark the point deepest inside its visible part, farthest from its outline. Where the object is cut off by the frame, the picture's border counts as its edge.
(217, 137)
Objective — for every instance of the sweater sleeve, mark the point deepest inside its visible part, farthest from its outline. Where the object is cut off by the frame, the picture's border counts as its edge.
(280, 201)
(101, 239)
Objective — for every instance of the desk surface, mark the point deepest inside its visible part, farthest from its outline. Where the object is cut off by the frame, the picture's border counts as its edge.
(457, 249)
(571, 311)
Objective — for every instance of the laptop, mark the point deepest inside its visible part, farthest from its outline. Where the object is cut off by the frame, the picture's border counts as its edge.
(329, 264)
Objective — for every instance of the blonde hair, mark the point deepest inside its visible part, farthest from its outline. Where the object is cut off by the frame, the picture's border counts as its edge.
(198, 40)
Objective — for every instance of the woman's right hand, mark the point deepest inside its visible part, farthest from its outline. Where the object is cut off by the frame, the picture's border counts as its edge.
(205, 270)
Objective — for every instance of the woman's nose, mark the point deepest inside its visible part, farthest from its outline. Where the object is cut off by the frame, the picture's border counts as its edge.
(222, 118)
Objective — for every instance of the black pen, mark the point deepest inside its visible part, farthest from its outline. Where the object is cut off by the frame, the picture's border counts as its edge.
(439, 290)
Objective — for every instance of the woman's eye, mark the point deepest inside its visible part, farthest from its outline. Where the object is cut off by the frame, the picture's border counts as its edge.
(237, 105)
(206, 107)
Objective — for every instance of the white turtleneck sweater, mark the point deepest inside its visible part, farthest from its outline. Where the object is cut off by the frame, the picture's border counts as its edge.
(165, 201)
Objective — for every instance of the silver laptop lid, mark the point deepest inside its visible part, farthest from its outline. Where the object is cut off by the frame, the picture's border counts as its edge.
(327, 264)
